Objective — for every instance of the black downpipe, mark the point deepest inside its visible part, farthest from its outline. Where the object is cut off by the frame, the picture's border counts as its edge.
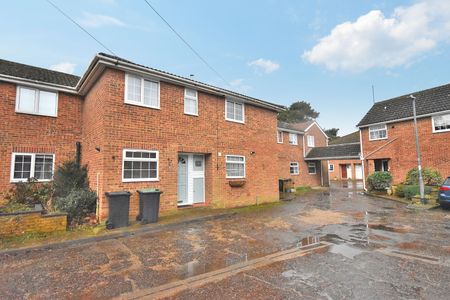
(78, 153)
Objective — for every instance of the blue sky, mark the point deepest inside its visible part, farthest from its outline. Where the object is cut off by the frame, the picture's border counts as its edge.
(328, 53)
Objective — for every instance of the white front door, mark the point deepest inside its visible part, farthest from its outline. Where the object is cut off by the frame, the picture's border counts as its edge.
(349, 172)
(191, 179)
(358, 171)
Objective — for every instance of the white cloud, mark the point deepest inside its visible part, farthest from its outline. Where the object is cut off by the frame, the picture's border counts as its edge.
(98, 20)
(375, 40)
(264, 65)
(238, 85)
(65, 67)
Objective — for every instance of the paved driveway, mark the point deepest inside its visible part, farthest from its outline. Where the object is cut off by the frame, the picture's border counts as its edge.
(336, 244)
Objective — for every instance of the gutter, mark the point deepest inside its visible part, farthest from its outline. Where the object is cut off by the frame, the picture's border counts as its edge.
(332, 157)
(290, 130)
(38, 84)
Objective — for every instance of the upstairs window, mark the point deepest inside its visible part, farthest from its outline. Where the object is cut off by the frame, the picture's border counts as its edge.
(234, 111)
(293, 139)
(280, 137)
(140, 91)
(235, 166)
(140, 165)
(190, 102)
(38, 102)
(378, 132)
(311, 141)
(441, 123)
(294, 169)
(32, 165)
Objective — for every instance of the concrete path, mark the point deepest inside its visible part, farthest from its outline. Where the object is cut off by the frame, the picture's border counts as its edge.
(327, 244)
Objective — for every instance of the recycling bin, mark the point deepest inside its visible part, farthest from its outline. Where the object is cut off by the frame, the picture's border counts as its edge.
(149, 205)
(119, 207)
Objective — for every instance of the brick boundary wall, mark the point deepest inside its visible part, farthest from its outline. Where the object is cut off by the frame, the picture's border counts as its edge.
(19, 223)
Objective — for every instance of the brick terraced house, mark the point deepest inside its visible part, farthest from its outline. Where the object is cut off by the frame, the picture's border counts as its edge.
(295, 141)
(388, 139)
(137, 127)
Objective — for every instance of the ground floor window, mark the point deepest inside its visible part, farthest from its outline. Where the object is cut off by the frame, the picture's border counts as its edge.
(140, 165)
(294, 169)
(312, 168)
(235, 166)
(381, 165)
(32, 165)
(331, 167)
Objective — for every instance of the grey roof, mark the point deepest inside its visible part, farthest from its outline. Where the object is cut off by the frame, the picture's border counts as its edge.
(299, 126)
(278, 107)
(334, 152)
(428, 101)
(37, 74)
(351, 138)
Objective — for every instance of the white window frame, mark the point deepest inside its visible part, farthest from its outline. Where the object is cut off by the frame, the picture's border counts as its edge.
(234, 162)
(186, 96)
(310, 164)
(140, 159)
(331, 167)
(226, 111)
(311, 141)
(36, 101)
(141, 103)
(280, 137)
(432, 123)
(292, 142)
(295, 165)
(373, 130)
(32, 168)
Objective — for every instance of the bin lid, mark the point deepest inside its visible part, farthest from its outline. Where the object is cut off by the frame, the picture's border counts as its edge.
(121, 193)
(149, 191)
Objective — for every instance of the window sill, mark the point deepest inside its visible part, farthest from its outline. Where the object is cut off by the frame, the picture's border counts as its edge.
(26, 180)
(140, 180)
(142, 105)
(192, 115)
(373, 140)
(441, 131)
(36, 114)
(235, 121)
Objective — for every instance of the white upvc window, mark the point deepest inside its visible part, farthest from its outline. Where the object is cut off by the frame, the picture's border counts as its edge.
(293, 139)
(32, 165)
(140, 165)
(378, 132)
(190, 102)
(311, 142)
(294, 168)
(234, 111)
(331, 167)
(37, 102)
(312, 168)
(235, 166)
(142, 92)
(441, 123)
(280, 137)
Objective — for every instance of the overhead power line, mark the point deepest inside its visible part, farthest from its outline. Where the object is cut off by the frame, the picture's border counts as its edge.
(186, 43)
(81, 27)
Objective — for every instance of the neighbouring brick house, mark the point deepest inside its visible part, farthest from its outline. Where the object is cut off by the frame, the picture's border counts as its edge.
(388, 139)
(295, 141)
(137, 127)
(346, 168)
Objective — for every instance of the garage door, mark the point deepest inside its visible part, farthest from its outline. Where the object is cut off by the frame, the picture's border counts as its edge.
(358, 172)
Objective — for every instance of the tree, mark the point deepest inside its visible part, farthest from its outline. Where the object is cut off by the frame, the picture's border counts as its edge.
(332, 133)
(298, 112)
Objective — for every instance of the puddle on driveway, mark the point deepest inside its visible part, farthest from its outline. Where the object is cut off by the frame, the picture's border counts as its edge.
(345, 250)
(383, 227)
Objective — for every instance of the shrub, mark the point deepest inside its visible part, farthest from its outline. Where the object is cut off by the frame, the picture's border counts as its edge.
(78, 204)
(430, 177)
(413, 190)
(379, 181)
(72, 193)
(400, 191)
(30, 193)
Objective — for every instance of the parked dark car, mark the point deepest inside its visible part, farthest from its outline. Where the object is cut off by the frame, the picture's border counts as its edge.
(444, 194)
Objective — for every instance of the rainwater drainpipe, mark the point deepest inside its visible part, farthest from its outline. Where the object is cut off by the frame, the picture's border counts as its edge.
(361, 155)
(419, 159)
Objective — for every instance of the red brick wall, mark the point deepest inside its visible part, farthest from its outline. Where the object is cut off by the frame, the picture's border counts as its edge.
(402, 152)
(37, 134)
(320, 140)
(294, 153)
(337, 173)
(169, 131)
